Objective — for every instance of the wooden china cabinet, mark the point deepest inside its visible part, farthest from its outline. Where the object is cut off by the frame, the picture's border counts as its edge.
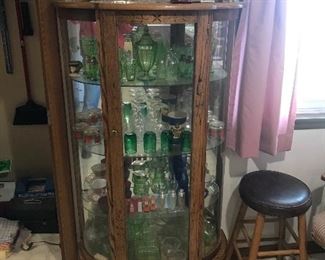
(136, 95)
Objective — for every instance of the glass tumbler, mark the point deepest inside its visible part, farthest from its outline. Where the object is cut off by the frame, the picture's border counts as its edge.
(149, 142)
(130, 143)
(186, 137)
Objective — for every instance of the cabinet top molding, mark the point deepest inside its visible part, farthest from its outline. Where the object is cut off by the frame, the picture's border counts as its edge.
(144, 6)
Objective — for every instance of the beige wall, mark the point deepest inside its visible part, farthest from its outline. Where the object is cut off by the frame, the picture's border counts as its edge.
(27, 146)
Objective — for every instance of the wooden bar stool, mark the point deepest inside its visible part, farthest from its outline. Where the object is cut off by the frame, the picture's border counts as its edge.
(273, 194)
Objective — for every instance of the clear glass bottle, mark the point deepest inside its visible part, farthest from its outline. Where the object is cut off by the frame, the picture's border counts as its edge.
(181, 199)
(172, 197)
(171, 66)
(162, 200)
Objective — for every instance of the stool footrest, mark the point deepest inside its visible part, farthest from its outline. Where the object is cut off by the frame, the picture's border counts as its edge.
(263, 239)
(278, 253)
(268, 220)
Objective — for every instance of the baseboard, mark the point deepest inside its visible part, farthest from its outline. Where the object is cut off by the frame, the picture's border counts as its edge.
(312, 248)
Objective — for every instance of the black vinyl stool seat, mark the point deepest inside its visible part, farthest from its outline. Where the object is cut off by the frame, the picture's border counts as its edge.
(276, 194)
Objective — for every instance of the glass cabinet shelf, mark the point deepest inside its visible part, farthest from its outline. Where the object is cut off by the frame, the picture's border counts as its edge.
(99, 149)
(215, 75)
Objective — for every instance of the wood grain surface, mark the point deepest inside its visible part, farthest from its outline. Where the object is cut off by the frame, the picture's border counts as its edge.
(111, 98)
(199, 129)
(58, 128)
(146, 6)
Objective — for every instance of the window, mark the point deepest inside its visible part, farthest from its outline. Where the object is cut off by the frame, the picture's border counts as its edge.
(306, 26)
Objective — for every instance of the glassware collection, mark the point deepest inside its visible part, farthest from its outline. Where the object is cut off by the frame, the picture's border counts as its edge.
(89, 52)
(146, 57)
(155, 124)
(157, 143)
(88, 129)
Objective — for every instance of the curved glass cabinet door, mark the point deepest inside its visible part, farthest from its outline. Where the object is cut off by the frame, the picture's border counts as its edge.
(222, 40)
(156, 75)
(83, 105)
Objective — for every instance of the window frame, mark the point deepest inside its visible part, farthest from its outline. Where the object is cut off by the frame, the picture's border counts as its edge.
(310, 121)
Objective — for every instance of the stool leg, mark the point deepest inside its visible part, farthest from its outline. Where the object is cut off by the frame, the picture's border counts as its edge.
(235, 232)
(302, 237)
(282, 235)
(256, 237)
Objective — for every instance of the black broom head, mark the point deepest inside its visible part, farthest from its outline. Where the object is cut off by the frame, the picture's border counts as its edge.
(30, 114)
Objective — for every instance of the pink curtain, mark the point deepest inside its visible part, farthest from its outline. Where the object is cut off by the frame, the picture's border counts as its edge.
(261, 112)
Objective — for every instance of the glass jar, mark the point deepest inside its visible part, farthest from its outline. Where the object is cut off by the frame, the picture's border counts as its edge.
(215, 132)
(146, 51)
(212, 192)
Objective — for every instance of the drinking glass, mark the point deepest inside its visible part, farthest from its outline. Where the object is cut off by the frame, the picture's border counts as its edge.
(130, 143)
(169, 246)
(186, 137)
(130, 69)
(149, 142)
